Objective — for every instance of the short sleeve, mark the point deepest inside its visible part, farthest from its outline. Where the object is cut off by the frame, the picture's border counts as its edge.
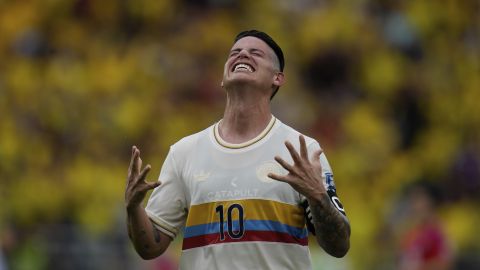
(167, 206)
(326, 169)
(327, 175)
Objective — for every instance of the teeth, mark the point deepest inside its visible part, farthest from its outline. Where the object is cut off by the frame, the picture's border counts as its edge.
(243, 67)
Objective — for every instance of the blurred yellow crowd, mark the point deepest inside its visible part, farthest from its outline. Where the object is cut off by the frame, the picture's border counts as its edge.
(389, 89)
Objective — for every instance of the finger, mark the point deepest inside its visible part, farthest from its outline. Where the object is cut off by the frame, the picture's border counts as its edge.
(303, 147)
(281, 178)
(132, 172)
(137, 162)
(316, 155)
(285, 164)
(155, 184)
(143, 173)
(293, 152)
(132, 158)
(152, 185)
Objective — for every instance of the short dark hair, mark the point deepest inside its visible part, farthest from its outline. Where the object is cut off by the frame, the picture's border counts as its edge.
(270, 42)
(267, 39)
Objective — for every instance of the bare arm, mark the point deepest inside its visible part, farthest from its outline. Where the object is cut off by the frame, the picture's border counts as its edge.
(147, 240)
(333, 228)
(305, 176)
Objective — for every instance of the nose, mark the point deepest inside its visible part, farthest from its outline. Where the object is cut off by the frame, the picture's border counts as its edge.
(243, 54)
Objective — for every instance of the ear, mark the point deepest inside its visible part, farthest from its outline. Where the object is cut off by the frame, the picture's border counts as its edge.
(221, 84)
(278, 79)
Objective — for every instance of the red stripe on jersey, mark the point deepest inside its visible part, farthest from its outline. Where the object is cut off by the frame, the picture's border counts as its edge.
(262, 236)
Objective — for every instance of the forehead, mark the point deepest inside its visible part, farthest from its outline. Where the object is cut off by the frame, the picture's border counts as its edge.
(250, 42)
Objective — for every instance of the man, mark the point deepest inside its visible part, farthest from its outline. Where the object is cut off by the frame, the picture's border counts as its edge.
(241, 197)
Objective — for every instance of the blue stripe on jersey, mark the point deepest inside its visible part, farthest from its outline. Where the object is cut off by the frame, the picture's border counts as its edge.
(250, 225)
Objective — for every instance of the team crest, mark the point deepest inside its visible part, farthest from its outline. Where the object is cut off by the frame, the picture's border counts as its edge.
(266, 168)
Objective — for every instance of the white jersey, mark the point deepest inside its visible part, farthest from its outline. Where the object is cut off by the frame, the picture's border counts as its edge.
(233, 216)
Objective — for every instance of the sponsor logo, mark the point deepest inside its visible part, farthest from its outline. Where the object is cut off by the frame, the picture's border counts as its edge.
(329, 181)
(232, 194)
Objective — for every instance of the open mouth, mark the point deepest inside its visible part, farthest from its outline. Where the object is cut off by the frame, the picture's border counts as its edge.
(243, 67)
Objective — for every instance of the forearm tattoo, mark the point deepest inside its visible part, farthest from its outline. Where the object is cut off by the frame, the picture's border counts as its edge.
(331, 226)
(139, 236)
(156, 235)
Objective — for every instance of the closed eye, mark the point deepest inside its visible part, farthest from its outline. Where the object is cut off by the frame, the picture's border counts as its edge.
(257, 52)
(234, 52)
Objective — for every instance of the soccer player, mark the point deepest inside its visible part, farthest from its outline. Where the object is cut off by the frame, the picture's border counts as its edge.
(245, 189)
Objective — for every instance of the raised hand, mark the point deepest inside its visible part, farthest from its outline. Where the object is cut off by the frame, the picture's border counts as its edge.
(304, 175)
(137, 187)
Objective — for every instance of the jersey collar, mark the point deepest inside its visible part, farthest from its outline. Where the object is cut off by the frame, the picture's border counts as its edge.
(260, 136)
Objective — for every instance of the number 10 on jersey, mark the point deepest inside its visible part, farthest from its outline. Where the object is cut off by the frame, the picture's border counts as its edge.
(235, 228)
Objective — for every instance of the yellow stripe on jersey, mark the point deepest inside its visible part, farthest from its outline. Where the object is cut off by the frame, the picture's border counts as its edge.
(254, 209)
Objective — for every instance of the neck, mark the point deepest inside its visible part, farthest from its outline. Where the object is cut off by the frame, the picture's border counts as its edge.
(245, 117)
